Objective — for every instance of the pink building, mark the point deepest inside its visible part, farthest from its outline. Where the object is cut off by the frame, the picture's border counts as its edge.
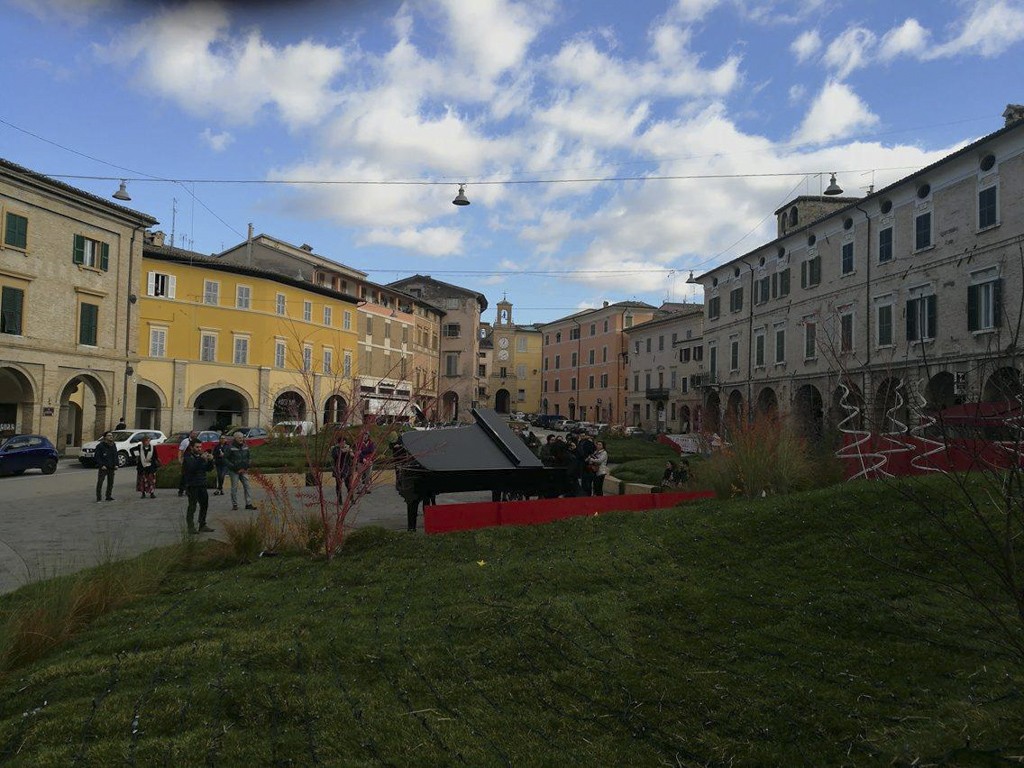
(585, 367)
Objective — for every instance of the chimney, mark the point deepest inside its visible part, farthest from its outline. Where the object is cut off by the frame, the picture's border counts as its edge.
(156, 238)
(1013, 113)
(605, 303)
(306, 247)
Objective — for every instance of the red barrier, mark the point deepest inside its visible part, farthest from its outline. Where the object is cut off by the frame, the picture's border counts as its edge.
(902, 455)
(445, 518)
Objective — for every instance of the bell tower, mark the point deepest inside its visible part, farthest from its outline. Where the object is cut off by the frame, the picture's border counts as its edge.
(503, 319)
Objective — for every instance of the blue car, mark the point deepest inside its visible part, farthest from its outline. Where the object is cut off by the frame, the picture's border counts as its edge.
(23, 452)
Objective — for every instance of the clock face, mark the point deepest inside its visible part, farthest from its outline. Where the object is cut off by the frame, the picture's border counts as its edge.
(503, 342)
(503, 354)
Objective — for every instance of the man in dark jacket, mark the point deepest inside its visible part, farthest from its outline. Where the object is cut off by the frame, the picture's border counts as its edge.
(236, 456)
(106, 463)
(584, 449)
(194, 467)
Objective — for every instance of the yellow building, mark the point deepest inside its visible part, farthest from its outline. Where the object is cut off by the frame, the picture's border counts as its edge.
(512, 365)
(224, 343)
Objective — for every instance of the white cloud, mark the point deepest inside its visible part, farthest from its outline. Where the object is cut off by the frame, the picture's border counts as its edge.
(218, 142)
(429, 241)
(797, 93)
(836, 112)
(989, 30)
(849, 51)
(908, 39)
(75, 12)
(189, 55)
(694, 10)
(806, 45)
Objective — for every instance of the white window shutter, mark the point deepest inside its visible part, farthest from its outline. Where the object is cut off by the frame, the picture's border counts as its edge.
(171, 280)
(151, 283)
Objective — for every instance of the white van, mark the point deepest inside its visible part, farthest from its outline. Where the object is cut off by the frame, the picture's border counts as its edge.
(292, 429)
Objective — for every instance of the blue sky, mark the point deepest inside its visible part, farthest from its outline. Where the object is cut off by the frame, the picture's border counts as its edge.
(205, 103)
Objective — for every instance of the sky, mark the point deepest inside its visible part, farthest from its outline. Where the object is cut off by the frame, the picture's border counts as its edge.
(608, 148)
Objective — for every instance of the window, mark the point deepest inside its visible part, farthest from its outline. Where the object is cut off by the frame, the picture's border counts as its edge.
(713, 359)
(241, 350)
(558, 337)
(636, 346)
(759, 348)
(647, 380)
(16, 232)
(627, 320)
(556, 385)
(521, 344)
(243, 296)
(593, 329)
(88, 324)
(591, 356)
(558, 362)
(604, 354)
(780, 284)
(574, 360)
(574, 333)
(91, 253)
(328, 315)
(346, 363)
(714, 307)
(157, 342)
(885, 245)
(604, 380)
(984, 300)
(923, 231)
(503, 372)
(590, 382)
(810, 272)
(780, 344)
(606, 325)
(734, 355)
(280, 352)
(160, 284)
(451, 364)
(346, 320)
(698, 354)
(329, 361)
(987, 207)
(545, 363)
(307, 358)
(452, 303)
(648, 341)
(846, 331)
(12, 301)
(661, 344)
(481, 370)
(810, 338)
(684, 355)
(520, 371)
(883, 322)
(208, 347)
(369, 325)
(847, 258)
(736, 300)
(307, 311)
(636, 382)
(921, 318)
(451, 330)
(281, 308)
(762, 289)
(211, 292)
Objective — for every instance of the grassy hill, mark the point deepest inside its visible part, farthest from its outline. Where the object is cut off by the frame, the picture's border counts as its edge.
(774, 632)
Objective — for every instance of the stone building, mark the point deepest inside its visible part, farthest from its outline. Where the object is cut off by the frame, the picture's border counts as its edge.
(904, 302)
(584, 363)
(665, 362)
(69, 277)
(460, 338)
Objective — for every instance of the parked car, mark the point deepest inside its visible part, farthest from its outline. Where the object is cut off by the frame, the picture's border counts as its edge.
(21, 452)
(566, 425)
(628, 431)
(292, 429)
(252, 435)
(126, 440)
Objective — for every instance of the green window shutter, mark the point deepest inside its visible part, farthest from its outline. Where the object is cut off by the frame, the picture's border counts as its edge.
(803, 274)
(931, 309)
(784, 283)
(972, 308)
(16, 234)
(10, 310)
(88, 324)
(104, 256)
(78, 254)
(997, 303)
(912, 320)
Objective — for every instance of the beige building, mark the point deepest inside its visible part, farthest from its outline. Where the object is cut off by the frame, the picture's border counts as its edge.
(509, 361)
(909, 297)
(584, 368)
(665, 362)
(69, 277)
(398, 333)
(459, 388)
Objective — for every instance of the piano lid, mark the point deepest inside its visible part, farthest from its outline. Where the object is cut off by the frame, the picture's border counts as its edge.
(487, 445)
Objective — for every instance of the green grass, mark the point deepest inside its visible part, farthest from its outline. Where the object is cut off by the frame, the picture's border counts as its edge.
(623, 449)
(748, 632)
(648, 471)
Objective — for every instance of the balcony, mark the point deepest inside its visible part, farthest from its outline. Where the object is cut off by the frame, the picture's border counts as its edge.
(699, 380)
(658, 393)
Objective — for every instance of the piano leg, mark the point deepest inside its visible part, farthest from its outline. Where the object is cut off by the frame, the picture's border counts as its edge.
(412, 510)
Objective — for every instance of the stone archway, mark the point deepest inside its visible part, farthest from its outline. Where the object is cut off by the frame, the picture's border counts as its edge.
(450, 406)
(84, 411)
(767, 404)
(289, 406)
(218, 408)
(502, 400)
(712, 414)
(940, 392)
(848, 406)
(336, 410)
(809, 412)
(148, 407)
(1004, 384)
(891, 412)
(17, 402)
(734, 409)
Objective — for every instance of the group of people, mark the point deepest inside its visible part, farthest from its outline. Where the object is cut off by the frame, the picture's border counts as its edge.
(675, 474)
(230, 458)
(352, 465)
(584, 459)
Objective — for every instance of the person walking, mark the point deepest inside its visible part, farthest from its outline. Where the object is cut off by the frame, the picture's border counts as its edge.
(182, 450)
(598, 462)
(120, 424)
(194, 467)
(237, 458)
(106, 464)
(364, 462)
(146, 465)
(342, 465)
(220, 463)
(584, 449)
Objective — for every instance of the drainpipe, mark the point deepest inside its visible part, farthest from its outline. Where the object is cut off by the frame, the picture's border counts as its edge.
(750, 347)
(132, 298)
(867, 304)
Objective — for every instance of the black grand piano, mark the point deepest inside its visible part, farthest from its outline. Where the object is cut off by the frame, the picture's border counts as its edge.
(485, 456)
